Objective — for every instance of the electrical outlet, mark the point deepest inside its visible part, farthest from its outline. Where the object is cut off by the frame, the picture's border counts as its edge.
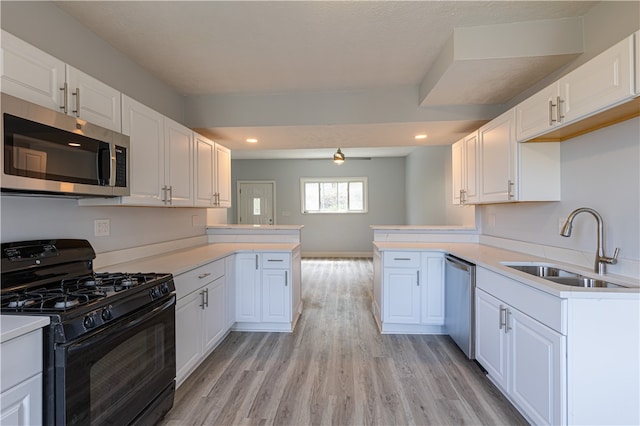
(101, 227)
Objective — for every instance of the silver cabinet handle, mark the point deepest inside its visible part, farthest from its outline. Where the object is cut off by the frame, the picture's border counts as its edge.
(503, 317)
(507, 327)
(170, 194)
(206, 294)
(274, 260)
(559, 110)
(256, 262)
(401, 258)
(551, 119)
(202, 296)
(205, 275)
(286, 278)
(164, 194)
(65, 103)
(509, 189)
(418, 278)
(77, 95)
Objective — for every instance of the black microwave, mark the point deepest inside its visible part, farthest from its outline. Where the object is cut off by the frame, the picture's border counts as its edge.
(45, 151)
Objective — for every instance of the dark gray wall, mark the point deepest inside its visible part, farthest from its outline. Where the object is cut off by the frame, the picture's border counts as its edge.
(331, 233)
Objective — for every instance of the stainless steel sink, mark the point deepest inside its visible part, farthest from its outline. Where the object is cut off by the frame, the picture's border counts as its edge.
(562, 276)
(580, 281)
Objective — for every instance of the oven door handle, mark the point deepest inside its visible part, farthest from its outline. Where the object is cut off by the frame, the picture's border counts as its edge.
(122, 329)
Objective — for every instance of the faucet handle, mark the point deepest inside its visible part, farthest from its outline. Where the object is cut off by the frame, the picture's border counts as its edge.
(614, 259)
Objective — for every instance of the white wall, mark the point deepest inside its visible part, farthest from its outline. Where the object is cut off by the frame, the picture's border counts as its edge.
(429, 192)
(329, 233)
(599, 170)
(25, 218)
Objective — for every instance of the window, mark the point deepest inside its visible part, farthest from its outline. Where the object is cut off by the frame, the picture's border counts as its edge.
(334, 195)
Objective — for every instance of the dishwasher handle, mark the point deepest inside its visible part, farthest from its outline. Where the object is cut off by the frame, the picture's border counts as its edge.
(458, 263)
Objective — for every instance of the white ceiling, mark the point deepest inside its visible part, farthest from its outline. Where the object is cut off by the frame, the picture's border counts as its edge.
(244, 48)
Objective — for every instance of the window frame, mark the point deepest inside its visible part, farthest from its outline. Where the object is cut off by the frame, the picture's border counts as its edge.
(337, 180)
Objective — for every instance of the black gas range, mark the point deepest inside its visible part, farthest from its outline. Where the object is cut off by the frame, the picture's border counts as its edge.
(110, 348)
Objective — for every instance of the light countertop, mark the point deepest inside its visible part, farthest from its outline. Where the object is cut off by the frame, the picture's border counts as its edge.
(258, 227)
(181, 261)
(490, 257)
(12, 326)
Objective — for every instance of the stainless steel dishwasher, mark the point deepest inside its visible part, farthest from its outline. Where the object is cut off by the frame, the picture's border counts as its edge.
(460, 284)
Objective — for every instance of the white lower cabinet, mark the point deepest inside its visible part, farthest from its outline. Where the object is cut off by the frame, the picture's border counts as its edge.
(523, 357)
(267, 291)
(409, 291)
(201, 315)
(21, 391)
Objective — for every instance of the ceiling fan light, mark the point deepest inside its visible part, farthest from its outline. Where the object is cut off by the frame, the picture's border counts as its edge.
(338, 157)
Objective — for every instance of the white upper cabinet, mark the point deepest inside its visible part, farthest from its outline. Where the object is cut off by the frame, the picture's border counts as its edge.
(637, 43)
(31, 74)
(223, 176)
(498, 159)
(145, 127)
(178, 164)
(204, 171)
(465, 170)
(512, 171)
(161, 155)
(92, 100)
(603, 82)
(212, 173)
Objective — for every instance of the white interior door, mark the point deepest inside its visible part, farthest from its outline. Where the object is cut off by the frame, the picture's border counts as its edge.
(256, 203)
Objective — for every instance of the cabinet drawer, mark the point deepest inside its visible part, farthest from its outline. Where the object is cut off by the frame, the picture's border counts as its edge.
(192, 280)
(543, 307)
(21, 358)
(276, 260)
(401, 259)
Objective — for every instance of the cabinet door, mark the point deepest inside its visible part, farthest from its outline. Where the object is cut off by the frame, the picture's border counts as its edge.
(401, 299)
(230, 276)
(432, 304)
(31, 74)
(247, 288)
(204, 173)
(537, 114)
(276, 295)
(145, 128)
(223, 176)
(457, 169)
(215, 314)
(188, 333)
(491, 345)
(537, 369)
(498, 159)
(602, 82)
(92, 100)
(178, 160)
(471, 168)
(21, 405)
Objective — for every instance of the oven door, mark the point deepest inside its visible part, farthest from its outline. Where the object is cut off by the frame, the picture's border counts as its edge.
(114, 375)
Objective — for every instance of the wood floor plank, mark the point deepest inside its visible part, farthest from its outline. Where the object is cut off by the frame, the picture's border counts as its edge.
(337, 369)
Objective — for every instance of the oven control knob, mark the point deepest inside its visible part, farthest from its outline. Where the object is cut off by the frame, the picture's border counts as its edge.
(164, 288)
(89, 321)
(155, 293)
(106, 314)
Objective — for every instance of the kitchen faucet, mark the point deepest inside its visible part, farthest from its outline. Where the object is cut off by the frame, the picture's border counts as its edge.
(601, 260)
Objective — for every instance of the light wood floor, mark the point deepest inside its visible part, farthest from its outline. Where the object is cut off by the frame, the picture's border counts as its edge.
(336, 369)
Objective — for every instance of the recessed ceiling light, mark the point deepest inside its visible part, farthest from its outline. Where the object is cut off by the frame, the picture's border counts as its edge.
(74, 144)
(421, 136)
(252, 140)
